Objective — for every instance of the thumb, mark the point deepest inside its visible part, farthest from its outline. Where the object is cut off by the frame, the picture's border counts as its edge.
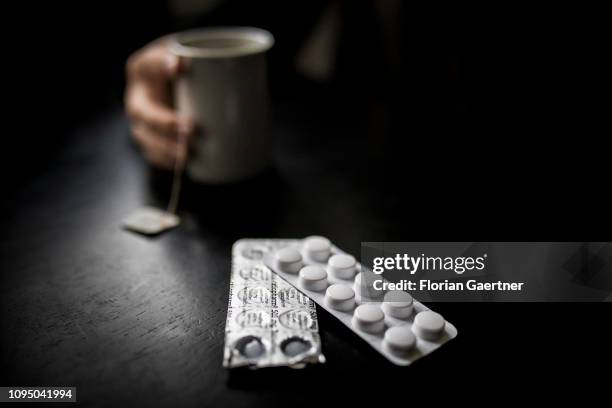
(172, 65)
(153, 62)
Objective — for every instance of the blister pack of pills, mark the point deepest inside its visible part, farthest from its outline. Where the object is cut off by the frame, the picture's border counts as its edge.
(269, 322)
(397, 326)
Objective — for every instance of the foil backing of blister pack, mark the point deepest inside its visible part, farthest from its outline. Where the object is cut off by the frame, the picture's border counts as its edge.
(269, 322)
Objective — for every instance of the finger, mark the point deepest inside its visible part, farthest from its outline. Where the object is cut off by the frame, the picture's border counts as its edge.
(144, 106)
(154, 62)
(158, 150)
(174, 65)
(158, 160)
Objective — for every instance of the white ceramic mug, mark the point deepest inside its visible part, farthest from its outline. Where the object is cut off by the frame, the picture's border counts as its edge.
(225, 90)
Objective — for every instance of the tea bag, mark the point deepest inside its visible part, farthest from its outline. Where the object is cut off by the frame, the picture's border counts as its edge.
(152, 221)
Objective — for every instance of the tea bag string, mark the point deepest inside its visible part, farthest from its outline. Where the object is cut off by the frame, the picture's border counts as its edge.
(179, 168)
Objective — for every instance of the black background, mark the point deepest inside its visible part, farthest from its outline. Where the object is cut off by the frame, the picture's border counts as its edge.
(493, 130)
(497, 109)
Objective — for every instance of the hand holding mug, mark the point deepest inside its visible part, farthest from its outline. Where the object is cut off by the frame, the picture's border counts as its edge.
(155, 124)
(225, 90)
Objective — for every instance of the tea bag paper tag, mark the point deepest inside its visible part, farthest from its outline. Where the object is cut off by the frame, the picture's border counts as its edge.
(150, 221)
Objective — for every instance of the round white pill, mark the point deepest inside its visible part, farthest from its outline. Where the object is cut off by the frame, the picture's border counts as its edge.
(398, 303)
(364, 286)
(369, 318)
(428, 325)
(342, 266)
(399, 340)
(313, 278)
(288, 260)
(317, 248)
(340, 297)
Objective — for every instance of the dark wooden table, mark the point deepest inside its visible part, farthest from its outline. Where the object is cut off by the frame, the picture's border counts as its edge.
(131, 320)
